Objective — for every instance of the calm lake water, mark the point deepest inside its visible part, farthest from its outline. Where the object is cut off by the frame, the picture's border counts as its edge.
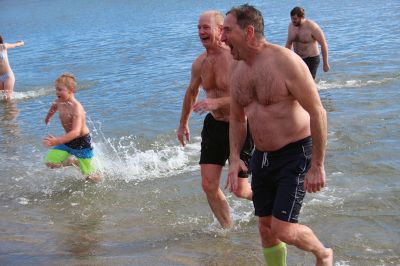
(132, 60)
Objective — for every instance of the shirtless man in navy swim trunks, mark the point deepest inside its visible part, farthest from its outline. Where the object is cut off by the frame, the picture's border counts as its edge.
(273, 88)
(305, 35)
(211, 70)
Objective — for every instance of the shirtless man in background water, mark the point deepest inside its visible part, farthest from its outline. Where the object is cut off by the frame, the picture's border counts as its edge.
(305, 35)
(211, 70)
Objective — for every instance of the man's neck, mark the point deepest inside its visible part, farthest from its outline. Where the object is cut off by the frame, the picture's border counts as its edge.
(254, 49)
(216, 49)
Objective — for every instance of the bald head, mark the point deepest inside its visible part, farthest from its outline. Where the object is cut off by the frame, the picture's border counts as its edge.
(216, 16)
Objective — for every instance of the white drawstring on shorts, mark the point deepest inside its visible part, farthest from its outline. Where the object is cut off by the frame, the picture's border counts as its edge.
(265, 160)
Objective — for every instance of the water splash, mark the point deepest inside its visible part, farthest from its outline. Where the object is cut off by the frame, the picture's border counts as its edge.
(36, 93)
(132, 159)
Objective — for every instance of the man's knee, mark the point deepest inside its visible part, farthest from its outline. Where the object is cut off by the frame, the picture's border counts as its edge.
(268, 237)
(210, 178)
(209, 186)
(284, 231)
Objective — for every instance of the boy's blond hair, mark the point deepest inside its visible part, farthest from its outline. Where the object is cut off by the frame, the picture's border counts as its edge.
(68, 80)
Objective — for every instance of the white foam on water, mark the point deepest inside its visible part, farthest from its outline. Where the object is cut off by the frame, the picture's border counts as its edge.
(42, 91)
(23, 201)
(342, 263)
(352, 83)
(327, 197)
(32, 93)
(242, 210)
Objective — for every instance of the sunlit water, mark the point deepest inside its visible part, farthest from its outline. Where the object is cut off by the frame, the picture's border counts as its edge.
(132, 61)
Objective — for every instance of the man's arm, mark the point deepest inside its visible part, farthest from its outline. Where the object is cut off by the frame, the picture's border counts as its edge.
(237, 137)
(211, 104)
(289, 41)
(190, 98)
(302, 87)
(13, 45)
(319, 36)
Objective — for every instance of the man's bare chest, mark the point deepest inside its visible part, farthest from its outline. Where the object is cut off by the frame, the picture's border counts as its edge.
(263, 89)
(303, 36)
(214, 76)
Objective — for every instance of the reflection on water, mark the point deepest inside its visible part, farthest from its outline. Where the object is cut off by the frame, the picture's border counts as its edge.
(77, 216)
(8, 124)
(81, 235)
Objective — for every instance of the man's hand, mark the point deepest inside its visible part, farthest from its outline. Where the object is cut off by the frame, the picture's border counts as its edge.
(235, 166)
(326, 67)
(183, 134)
(50, 141)
(315, 180)
(205, 105)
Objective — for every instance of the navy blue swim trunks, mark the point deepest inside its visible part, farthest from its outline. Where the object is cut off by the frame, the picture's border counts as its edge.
(312, 63)
(278, 180)
(215, 144)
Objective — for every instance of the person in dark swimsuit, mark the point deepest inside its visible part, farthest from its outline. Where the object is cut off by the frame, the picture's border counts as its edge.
(305, 35)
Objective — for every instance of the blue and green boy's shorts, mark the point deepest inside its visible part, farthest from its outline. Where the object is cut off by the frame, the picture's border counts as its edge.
(84, 154)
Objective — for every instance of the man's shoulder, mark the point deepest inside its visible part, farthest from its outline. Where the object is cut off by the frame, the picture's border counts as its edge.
(199, 59)
(274, 50)
(277, 58)
(198, 62)
(311, 24)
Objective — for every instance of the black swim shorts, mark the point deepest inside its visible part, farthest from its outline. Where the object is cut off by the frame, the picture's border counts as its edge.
(83, 142)
(278, 180)
(312, 63)
(215, 143)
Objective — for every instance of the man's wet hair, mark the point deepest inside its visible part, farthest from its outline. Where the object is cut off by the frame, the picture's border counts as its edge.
(298, 11)
(1, 39)
(247, 15)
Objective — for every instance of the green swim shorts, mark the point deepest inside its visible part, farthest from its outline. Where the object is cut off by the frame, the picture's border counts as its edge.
(57, 156)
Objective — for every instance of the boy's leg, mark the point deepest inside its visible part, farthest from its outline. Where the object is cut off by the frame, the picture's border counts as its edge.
(56, 158)
(88, 170)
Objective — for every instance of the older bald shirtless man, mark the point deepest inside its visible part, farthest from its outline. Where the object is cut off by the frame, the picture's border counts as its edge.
(273, 88)
(304, 35)
(211, 70)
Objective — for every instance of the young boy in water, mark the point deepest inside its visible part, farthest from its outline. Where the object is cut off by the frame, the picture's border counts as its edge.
(76, 141)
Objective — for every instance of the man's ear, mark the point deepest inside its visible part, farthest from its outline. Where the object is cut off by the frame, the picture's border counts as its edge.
(250, 32)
